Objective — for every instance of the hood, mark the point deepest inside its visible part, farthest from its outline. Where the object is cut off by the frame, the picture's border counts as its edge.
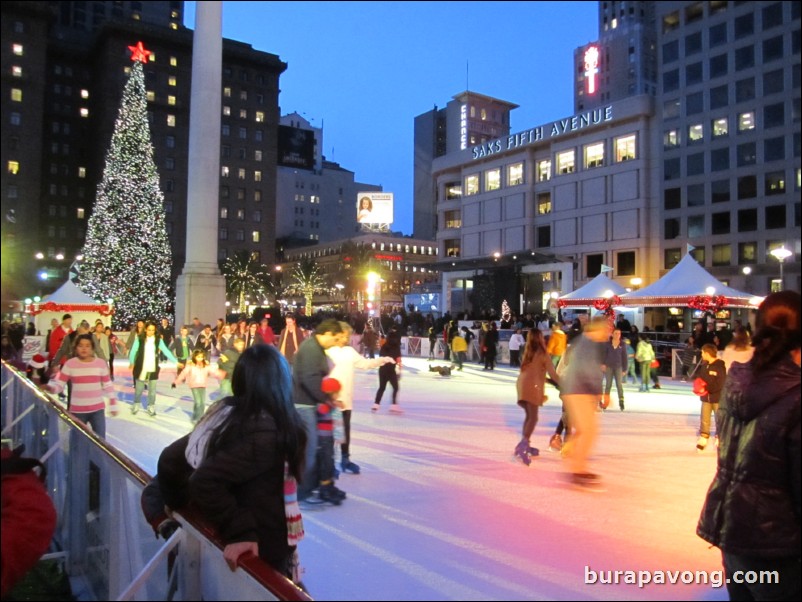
(749, 394)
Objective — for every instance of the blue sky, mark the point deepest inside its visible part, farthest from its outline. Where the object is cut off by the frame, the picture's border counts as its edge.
(364, 70)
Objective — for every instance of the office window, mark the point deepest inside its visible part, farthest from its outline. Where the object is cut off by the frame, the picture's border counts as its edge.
(224, 171)
(747, 252)
(543, 171)
(671, 258)
(747, 187)
(172, 80)
(16, 95)
(453, 219)
(670, 51)
(255, 236)
(257, 175)
(772, 49)
(243, 133)
(625, 261)
(15, 118)
(471, 184)
(169, 163)
(259, 116)
(240, 194)
(696, 195)
(671, 169)
(493, 179)
(544, 236)
(717, 35)
(718, 66)
(515, 174)
(774, 149)
(693, 74)
(672, 198)
(226, 129)
(696, 133)
(625, 148)
(594, 155)
(720, 223)
(670, 228)
(773, 82)
(171, 121)
(240, 234)
(593, 264)
(722, 255)
(257, 155)
(223, 212)
(243, 113)
(774, 115)
(453, 190)
(774, 183)
(744, 26)
(566, 162)
(720, 191)
(543, 203)
(775, 217)
(747, 220)
(744, 58)
(17, 49)
(695, 164)
(241, 173)
(671, 80)
(670, 138)
(746, 153)
(257, 196)
(696, 226)
(719, 97)
(451, 247)
(745, 89)
(223, 233)
(746, 121)
(671, 108)
(720, 127)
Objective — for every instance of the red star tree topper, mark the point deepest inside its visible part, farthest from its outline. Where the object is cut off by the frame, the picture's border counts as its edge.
(138, 53)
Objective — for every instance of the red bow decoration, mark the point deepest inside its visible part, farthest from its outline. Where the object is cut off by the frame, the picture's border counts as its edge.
(606, 305)
(707, 303)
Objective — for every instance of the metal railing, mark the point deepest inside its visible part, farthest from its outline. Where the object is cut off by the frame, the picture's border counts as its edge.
(108, 550)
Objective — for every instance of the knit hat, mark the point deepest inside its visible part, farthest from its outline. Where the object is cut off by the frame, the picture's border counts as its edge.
(37, 361)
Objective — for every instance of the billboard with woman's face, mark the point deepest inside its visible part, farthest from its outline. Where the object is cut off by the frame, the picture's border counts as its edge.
(374, 207)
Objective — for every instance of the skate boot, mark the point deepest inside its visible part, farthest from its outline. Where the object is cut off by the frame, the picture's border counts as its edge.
(555, 443)
(331, 494)
(522, 452)
(347, 466)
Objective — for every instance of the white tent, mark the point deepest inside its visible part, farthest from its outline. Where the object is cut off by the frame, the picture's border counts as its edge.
(69, 299)
(689, 284)
(600, 288)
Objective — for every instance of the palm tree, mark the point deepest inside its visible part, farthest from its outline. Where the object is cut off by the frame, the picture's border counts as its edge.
(307, 280)
(358, 260)
(244, 277)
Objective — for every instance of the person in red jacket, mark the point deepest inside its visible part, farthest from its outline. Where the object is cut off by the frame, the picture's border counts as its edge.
(28, 517)
(57, 336)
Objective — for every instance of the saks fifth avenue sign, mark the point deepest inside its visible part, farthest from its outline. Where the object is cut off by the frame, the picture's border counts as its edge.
(544, 132)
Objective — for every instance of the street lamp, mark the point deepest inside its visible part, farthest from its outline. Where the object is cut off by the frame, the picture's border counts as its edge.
(746, 271)
(781, 254)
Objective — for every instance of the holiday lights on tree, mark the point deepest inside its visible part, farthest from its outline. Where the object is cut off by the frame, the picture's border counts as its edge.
(127, 255)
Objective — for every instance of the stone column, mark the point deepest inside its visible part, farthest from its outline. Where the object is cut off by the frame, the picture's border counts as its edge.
(201, 289)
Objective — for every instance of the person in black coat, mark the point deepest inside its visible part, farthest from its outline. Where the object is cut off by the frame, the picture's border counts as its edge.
(388, 373)
(713, 371)
(753, 508)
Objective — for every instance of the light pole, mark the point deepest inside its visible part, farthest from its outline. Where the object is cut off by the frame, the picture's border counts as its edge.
(746, 271)
(781, 254)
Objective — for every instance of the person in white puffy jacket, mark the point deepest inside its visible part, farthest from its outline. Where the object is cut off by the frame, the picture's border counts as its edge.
(346, 360)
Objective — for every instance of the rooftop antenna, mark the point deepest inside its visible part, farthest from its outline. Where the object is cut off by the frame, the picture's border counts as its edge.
(467, 75)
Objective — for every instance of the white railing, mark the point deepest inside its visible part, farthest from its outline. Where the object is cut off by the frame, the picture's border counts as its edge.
(107, 548)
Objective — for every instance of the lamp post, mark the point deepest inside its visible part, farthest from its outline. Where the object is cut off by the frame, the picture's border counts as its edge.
(781, 254)
(746, 271)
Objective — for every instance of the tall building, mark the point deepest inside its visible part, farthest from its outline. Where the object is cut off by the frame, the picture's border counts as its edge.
(316, 198)
(685, 132)
(64, 68)
(467, 119)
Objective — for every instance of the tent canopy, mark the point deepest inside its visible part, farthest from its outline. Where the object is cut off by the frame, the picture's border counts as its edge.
(601, 287)
(68, 299)
(688, 283)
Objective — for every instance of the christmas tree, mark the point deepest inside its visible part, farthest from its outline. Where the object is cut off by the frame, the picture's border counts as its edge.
(127, 256)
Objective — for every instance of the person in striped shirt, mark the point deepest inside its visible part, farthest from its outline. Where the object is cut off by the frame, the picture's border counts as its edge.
(91, 383)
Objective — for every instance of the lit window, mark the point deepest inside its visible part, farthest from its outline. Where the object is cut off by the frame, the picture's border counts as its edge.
(453, 219)
(670, 139)
(566, 162)
(515, 174)
(696, 133)
(241, 173)
(17, 49)
(243, 114)
(257, 176)
(172, 80)
(171, 100)
(82, 172)
(544, 171)
(84, 93)
(544, 203)
(243, 95)
(223, 212)
(594, 155)
(173, 25)
(16, 94)
(16, 71)
(13, 167)
(171, 121)
(84, 112)
(227, 92)
(173, 61)
(720, 127)
(493, 179)
(257, 155)
(79, 213)
(255, 237)
(746, 121)
(260, 116)
(625, 148)
(224, 171)
(241, 214)
(471, 185)
(150, 95)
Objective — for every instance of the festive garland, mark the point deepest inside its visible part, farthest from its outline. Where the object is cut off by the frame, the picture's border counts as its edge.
(707, 303)
(37, 308)
(606, 305)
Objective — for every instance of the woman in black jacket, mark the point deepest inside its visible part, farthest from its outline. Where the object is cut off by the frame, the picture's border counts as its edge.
(752, 511)
(389, 373)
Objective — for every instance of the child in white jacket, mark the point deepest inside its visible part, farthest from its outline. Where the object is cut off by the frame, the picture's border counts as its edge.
(196, 374)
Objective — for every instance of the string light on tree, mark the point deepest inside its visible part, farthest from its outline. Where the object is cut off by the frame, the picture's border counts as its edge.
(127, 255)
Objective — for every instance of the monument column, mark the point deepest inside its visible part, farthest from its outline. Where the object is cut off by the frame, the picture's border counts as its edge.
(201, 289)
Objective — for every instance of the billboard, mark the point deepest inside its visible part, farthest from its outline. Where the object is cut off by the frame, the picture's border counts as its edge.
(296, 147)
(374, 207)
